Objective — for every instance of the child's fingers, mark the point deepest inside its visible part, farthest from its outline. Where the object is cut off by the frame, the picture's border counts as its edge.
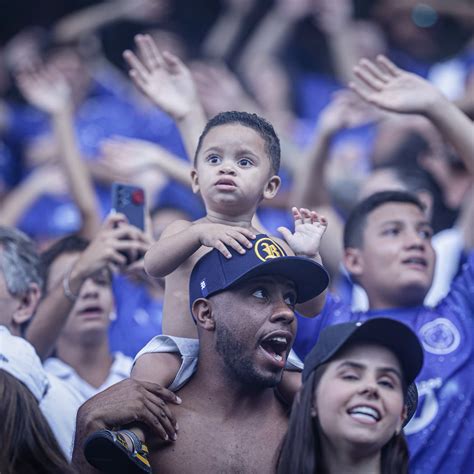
(297, 216)
(286, 233)
(306, 215)
(230, 241)
(218, 245)
(242, 239)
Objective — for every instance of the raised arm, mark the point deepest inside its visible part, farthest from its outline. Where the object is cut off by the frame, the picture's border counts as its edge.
(134, 155)
(385, 85)
(107, 250)
(168, 83)
(94, 17)
(48, 91)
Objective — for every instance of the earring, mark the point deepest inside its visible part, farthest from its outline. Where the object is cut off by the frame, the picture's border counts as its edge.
(112, 316)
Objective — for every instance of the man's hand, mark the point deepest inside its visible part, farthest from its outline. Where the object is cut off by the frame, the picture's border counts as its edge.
(309, 229)
(220, 236)
(126, 402)
(391, 88)
(45, 89)
(162, 77)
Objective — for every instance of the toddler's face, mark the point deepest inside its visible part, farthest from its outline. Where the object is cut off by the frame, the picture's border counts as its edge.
(232, 168)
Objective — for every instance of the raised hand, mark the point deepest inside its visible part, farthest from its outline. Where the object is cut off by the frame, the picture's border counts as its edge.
(385, 85)
(45, 89)
(109, 249)
(220, 236)
(162, 77)
(309, 229)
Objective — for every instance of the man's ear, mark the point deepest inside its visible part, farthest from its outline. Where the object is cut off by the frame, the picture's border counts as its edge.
(194, 181)
(202, 312)
(272, 187)
(27, 305)
(353, 261)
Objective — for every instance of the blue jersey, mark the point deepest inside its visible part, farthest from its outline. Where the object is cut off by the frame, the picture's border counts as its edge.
(441, 434)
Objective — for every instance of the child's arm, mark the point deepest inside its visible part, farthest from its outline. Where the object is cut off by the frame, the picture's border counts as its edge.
(305, 242)
(168, 83)
(391, 88)
(182, 238)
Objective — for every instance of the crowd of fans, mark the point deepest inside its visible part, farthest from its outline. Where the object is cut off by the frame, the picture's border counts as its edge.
(373, 105)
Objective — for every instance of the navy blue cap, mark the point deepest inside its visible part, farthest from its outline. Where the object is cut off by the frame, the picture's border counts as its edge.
(389, 333)
(214, 272)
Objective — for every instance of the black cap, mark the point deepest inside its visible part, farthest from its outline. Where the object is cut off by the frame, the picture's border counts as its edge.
(393, 335)
(214, 272)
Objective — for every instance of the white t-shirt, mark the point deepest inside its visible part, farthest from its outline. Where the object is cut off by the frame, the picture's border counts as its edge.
(59, 403)
(120, 370)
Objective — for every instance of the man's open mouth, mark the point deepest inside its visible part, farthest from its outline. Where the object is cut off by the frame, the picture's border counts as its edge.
(277, 345)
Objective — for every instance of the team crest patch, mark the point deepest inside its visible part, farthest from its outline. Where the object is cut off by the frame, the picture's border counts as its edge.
(440, 336)
(267, 248)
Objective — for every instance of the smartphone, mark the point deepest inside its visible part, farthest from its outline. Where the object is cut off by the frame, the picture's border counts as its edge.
(130, 201)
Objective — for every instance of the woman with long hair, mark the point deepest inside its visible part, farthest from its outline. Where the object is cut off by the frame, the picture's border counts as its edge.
(27, 443)
(357, 395)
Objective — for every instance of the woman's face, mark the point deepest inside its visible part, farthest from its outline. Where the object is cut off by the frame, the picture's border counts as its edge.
(359, 399)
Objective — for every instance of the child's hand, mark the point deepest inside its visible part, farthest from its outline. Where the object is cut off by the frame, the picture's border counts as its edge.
(220, 236)
(309, 228)
(45, 89)
(391, 88)
(162, 77)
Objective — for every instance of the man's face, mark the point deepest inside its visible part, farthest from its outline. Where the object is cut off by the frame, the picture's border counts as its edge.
(90, 313)
(232, 168)
(8, 303)
(396, 261)
(255, 328)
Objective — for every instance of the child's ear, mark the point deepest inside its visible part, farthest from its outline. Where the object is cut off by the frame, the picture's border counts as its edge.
(353, 261)
(272, 187)
(202, 313)
(194, 181)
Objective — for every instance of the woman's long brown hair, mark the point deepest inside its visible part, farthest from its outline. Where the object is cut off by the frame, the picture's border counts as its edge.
(27, 443)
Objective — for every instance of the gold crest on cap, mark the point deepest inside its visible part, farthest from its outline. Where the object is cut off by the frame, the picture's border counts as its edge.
(266, 249)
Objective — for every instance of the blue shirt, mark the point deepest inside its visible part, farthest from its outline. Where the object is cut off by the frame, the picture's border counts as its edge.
(138, 319)
(441, 434)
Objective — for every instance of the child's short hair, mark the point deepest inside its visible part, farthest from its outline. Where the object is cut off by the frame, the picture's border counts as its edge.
(253, 121)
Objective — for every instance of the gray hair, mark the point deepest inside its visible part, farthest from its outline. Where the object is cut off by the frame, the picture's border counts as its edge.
(19, 262)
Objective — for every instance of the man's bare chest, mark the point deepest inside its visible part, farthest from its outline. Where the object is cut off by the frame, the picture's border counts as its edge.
(225, 447)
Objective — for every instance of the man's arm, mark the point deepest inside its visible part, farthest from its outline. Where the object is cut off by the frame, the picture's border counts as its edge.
(168, 83)
(128, 401)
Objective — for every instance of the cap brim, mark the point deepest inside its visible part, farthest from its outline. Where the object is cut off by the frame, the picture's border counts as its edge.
(396, 336)
(310, 278)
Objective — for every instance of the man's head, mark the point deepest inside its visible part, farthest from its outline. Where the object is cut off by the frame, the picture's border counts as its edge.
(89, 317)
(244, 308)
(21, 281)
(388, 251)
(236, 163)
